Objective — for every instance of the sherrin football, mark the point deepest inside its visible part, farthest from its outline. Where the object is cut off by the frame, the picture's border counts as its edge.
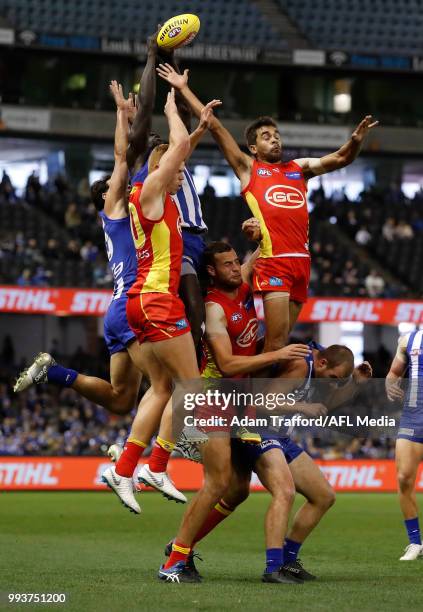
(178, 31)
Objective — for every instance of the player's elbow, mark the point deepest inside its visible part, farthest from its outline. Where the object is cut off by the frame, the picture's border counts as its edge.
(228, 369)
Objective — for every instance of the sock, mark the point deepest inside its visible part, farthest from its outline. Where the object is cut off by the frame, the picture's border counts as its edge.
(290, 550)
(216, 516)
(160, 456)
(61, 376)
(413, 530)
(179, 552)
(273, 559)
(128, 460)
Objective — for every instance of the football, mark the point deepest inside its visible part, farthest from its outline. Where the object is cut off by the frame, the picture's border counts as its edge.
(178, 31)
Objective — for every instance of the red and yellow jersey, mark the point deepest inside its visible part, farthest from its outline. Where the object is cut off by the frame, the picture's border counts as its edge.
(242, 325)
(277, 197)
(158, 246)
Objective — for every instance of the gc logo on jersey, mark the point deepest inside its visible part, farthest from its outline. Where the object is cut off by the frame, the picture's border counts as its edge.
(284, 196)
(247, 337)
(264, 172)
(237, 316)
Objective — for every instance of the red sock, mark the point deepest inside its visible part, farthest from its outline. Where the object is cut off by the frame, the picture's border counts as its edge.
(128, 460)
(179, 552)
(216, 516)
(159, 458)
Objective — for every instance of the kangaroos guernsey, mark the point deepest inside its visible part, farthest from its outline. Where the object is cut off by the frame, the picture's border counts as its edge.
(276, 195)
(155, 311)
(242, 325)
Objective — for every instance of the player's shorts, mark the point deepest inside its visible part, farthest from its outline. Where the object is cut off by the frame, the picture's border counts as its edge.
(411, 427)
(117, 333)
(288, 447)
(192, 258)
(283, 274)
(156, 316)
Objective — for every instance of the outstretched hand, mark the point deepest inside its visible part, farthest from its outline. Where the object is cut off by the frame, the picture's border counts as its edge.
(170, 106)
(363, 127)
(126, 104)
(207, 114)
(169, 74)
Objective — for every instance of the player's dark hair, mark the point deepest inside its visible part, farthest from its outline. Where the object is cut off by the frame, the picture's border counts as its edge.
(251, 130)
(338, 354)
(98, 188)
(213, 249)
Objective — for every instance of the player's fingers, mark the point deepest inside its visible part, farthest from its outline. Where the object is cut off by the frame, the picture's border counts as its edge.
(186, 72)
(374, 124)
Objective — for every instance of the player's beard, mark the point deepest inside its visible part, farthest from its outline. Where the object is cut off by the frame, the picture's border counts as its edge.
(273, 157)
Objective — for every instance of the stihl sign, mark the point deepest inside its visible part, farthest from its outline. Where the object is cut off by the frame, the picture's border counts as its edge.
(63, 301)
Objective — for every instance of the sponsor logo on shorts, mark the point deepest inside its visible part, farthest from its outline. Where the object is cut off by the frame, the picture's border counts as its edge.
(181, 324)
(284, 196)
(248, 336)
(174, 32)
(273, 442)
(274, 281)
(264, 172)
(295, 176)
(404, 431)
(171, 328)
(236, 317)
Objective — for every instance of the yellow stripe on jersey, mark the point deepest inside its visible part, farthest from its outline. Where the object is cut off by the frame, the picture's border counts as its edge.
(157, 280)
(139, 239)
(266, 249)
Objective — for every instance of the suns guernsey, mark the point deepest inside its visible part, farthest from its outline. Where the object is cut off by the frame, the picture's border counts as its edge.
(276, 195)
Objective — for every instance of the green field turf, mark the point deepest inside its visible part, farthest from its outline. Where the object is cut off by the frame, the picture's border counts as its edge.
(105, 559)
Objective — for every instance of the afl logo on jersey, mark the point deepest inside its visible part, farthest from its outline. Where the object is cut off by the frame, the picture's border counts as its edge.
(109, 246)
(249, 334)
(284, 196)
(264, 172)
(237, 316)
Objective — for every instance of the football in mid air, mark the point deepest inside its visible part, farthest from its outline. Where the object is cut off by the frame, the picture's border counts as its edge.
(178, 31)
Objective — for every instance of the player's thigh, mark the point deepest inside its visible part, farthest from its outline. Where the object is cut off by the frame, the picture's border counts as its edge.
(124, 374)
(408, 455)
(309, 479)
(294, 313)
(272, 469)
(276, 312)
(178, 356)
(143, 356)
(190, 292)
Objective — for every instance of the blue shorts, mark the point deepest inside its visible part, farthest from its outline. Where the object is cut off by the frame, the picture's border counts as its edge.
(410, 426)
(288, 447)
(117, 333)
(192, 258)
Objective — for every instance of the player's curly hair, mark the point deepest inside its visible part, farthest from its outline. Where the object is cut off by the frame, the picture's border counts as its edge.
(98, 189)
(251, 130)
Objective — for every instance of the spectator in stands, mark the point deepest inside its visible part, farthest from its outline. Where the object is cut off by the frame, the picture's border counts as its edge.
(72, 250)
(33, 190)
(72, 217)
(404, 231)
(363, 236)
(388, 229)
(41, 277)
(51, 251)
(32, 253)
(375, 285)
(89, 251)
(6, 188)
(24, 279)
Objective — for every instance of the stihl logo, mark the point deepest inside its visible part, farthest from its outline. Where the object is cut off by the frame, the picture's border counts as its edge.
(90, 301)
(409, 312)
(342, 310)
(346, 477)
(27, 474)
(284, 196)
(26, 300)
(248, 335)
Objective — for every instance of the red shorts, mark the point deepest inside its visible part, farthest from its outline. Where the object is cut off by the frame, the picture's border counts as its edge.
(156, 316)
(288, 274)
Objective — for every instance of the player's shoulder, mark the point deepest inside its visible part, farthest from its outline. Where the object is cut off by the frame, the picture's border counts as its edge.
(294, 368)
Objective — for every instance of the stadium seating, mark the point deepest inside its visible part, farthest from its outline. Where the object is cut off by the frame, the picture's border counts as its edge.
(380, 26)
(228, 21)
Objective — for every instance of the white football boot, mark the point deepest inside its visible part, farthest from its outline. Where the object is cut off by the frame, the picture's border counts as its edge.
(412, 552)
(123, 487)
(161, 482)
(36, 373)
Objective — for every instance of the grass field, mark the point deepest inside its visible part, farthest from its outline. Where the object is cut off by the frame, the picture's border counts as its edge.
(104, 558)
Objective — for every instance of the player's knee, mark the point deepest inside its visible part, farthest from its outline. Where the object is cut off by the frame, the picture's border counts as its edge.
(237, 494)
(284, 493)
(405, 480)
(218, 482)
(327, 499)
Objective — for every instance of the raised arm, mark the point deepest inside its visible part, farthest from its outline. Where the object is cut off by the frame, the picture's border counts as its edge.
(314, 166)
(237, 159)
(220, 345)
(203, 125)
(157, 181)
(116, 205)
(141, 127)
